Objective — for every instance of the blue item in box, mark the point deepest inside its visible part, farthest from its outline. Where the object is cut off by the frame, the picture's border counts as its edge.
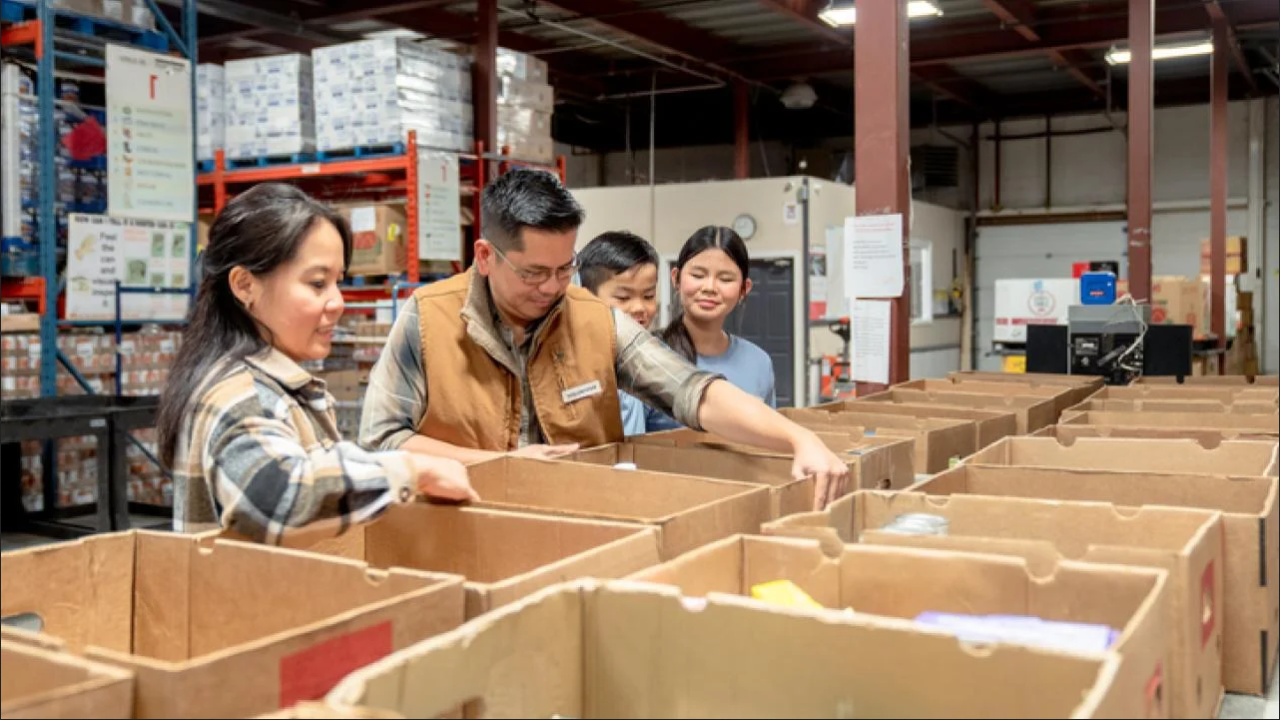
(1098, 288)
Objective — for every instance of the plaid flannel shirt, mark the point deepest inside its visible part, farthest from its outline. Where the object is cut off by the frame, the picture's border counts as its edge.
(260, 455)
(396, 402)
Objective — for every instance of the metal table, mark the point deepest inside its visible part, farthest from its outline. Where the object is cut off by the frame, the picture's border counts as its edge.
(110, 420)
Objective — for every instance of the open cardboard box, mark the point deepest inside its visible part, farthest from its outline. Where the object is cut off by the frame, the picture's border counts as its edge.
(1166, 405)
(1257, 458)
(632, 650)
(1212, 381)
(1077, 387)
(989, 425)
(1249, 424)
(938, 442)
(900, 582)
(39, 683)
(1061, 395)
(688, 511)
(503, 555)
(1250, 522)
(1223, 394)
(325, 711)
(885, 463)
(1187, 543)
(787, 495)
(219, 628)
(1032, 413)
(1206, 438)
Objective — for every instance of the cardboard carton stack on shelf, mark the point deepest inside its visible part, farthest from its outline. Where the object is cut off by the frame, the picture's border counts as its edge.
(270, 110)
(211, 110)
(373, 92)
(146, 359)
(525, 104)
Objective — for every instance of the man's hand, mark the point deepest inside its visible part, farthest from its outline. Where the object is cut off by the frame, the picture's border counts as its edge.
(830, 474)
(443, 478)
(545, 452)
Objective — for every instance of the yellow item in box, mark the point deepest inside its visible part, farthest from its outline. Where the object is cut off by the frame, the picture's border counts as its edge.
(1015, 364)
(785, 593)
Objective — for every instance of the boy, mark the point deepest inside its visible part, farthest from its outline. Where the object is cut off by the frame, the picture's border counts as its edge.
(621, 269)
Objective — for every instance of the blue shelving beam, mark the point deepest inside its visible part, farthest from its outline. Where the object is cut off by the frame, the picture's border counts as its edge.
(53, 22)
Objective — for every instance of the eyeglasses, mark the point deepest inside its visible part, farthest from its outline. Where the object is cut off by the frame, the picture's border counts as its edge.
(564, 273)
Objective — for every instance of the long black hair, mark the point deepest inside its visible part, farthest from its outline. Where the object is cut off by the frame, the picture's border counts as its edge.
(711, 237)
(259, 230)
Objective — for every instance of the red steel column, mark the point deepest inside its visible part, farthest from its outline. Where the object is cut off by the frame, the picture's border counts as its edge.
(741, 131)
(1218, 185)
(484, 75)
(882, 139)
(1141, 32)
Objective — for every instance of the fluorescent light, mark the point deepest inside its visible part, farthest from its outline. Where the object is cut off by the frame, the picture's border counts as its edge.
(844, 14)
(395, 33)
(1117, 56)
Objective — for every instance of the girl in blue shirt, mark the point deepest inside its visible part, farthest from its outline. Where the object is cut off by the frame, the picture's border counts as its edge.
(712, 279)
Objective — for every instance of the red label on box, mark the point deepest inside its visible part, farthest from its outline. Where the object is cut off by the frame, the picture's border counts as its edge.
(1208, 607)
(311, 673)
(364, 240)
(1155, 693)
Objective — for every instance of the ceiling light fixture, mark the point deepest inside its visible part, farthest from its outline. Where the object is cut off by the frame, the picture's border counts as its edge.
(842, 13)
(799, 96)
(1120, 56)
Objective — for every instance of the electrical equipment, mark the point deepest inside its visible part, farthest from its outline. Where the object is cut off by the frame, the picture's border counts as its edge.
(1116, 342)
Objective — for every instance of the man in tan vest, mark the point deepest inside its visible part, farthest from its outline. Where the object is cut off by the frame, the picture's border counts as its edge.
(509, 357)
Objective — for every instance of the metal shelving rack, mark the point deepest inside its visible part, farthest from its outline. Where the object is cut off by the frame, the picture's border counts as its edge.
(58, 37)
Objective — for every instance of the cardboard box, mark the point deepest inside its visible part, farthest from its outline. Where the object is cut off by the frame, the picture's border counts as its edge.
(1187, 543)
(1196, 406)
(882, 463)
(1206, 438)
(1259, 424)
(503, 556)
(1236, 254)
(1080, 386)
(40, 683)
(1032, 413)
(688, 511)
(899, 582)
(325, 711)
(378, 239)
(1061, 396)
(221, 628)
(1255, 458)
(938, 442)
(20, 323)
(1179, 301)
(628, 650)
(1225, 394)
(787, 495)
(988, 425)
(1263, 381)
(1250, 521)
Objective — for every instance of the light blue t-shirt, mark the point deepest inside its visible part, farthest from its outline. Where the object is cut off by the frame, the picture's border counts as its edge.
(633, 412)
(744, 365)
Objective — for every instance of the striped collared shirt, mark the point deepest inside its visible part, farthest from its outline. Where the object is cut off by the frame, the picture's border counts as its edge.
(260, 455)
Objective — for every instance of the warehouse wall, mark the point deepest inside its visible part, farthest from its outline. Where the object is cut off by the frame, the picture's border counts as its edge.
(1269, 305)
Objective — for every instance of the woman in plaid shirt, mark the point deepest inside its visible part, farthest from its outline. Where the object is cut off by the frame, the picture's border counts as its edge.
(250, 436)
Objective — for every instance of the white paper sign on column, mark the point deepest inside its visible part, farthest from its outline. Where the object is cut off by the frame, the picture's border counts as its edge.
(439, 207)
(137, 253)
(873, 256)
(871, 321)
(150, 163)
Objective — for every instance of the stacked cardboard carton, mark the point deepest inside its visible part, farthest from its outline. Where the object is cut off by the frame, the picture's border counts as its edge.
(525, 104)
(211, 110)
(373, 92)
(270, 110)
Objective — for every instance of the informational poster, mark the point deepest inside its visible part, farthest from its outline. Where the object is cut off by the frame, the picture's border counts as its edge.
(818, 282)
(439, 207)
(873, 256)
(138, 253)
(871, 321)
(150, 163)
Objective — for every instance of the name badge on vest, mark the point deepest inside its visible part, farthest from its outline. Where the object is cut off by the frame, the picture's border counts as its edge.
(582, 392)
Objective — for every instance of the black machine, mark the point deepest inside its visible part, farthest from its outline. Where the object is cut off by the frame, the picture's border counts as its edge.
(1116, 342)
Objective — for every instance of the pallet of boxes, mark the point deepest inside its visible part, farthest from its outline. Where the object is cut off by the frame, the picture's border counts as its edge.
(526, 102)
